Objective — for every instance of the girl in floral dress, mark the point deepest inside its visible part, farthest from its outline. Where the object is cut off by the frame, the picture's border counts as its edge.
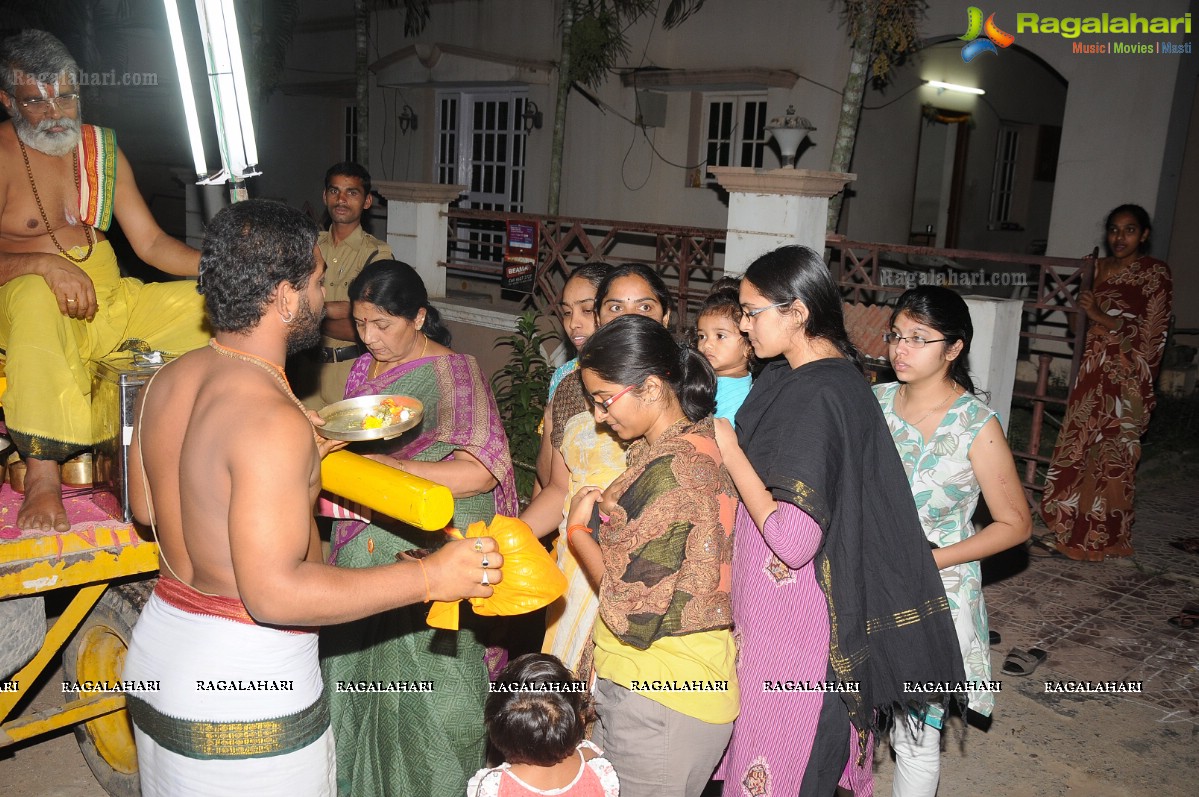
(953, 449)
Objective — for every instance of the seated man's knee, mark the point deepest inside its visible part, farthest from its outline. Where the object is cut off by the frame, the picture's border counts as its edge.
(27, 293)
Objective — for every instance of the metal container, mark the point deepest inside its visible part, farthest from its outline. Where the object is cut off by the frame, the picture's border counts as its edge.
(116, 384)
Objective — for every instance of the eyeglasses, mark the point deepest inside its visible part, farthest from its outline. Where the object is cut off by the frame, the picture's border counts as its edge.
(608, 402)
(759, 310)
(914, 341)
(63, 102)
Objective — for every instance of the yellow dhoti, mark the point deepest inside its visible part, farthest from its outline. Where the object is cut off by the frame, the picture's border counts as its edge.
(47, 406)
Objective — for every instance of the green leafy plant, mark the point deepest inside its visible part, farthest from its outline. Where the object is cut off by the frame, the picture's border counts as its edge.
(520, 389)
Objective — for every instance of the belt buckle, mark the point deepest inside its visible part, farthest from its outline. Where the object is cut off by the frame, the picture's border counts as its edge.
(328, 354)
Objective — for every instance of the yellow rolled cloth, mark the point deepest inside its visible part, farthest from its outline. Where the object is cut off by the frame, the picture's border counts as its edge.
(416, 501)
(531, 581)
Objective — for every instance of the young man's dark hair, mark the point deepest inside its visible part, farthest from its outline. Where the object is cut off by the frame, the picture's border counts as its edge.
(250, 248)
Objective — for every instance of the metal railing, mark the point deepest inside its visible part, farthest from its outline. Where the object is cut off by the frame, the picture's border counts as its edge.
(686, 257)
(690, 259)
(1054, 326)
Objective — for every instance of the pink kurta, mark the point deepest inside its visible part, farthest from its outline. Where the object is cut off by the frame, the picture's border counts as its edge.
(781, 624)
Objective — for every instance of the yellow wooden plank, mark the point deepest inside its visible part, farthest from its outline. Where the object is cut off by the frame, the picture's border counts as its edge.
(40, 546)
(76, 711)
(56, 637)
(76, 569)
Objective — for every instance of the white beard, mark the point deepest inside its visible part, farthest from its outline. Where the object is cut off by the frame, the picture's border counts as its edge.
(38, 136)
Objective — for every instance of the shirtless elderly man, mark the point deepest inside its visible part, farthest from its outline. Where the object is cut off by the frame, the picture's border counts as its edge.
(233, 471)
(63, 302)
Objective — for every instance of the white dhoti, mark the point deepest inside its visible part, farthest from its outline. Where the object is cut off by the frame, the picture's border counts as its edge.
(232, 707)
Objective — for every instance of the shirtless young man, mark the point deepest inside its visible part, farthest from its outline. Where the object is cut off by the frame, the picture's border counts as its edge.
(63, 302)
(233, 470)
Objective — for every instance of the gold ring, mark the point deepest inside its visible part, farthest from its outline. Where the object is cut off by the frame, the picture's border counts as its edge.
(485, 582)
(478, 546)
(70, 301)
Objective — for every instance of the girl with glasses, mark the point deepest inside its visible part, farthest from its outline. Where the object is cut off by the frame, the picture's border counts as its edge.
(953, 450)
(666, 685)
(576, 451)
(836, 600)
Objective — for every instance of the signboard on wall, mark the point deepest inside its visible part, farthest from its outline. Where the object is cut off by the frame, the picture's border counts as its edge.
(520, 256)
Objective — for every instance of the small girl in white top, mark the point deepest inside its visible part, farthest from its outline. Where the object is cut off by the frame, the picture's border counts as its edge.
(536, 714)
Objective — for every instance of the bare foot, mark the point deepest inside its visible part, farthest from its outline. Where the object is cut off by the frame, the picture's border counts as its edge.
(42, 508)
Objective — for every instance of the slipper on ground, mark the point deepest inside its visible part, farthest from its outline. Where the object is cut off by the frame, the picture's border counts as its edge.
(1023, 662)
(1043, 547)
(1186, 544)
(1187, 617)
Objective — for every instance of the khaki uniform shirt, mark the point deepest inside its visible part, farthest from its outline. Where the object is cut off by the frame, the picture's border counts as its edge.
(343, 262)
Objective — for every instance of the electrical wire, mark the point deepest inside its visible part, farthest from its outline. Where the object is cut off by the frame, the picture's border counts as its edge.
(892, 100)
(821, 85)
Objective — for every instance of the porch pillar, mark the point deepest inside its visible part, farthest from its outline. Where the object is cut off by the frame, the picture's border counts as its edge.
(418, 225)
(994, 350)
(769, 208)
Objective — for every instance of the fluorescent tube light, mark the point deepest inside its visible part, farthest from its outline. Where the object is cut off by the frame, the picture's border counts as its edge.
(954, 87)
(185, 88)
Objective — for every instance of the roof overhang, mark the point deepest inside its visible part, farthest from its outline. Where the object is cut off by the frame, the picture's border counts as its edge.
(746, 79)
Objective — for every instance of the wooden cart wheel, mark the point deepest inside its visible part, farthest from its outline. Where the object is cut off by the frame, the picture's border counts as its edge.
(97, 653)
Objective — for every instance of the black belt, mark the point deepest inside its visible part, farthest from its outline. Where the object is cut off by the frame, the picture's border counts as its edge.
(331, 355)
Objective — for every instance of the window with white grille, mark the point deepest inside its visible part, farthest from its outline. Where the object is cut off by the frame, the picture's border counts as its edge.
(1003, 181)
(734, 130)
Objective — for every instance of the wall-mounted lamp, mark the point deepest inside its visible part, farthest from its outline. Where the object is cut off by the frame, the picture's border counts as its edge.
(937, 84)
(407, 119)
(532, 116)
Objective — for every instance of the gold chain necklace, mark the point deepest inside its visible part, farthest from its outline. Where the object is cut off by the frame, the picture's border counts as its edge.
(945, 401)
(87, 230)
(374, 369)
(270, 368)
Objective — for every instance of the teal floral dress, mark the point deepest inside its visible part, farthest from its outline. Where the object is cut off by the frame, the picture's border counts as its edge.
(946, 494)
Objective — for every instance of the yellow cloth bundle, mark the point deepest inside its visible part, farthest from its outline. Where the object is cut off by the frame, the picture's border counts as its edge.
(531, 577)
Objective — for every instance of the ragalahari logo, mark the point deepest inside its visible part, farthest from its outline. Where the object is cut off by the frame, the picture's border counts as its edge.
(974, 27)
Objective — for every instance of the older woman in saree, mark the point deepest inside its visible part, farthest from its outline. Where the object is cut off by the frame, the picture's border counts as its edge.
(1089, 490)
(428, 743)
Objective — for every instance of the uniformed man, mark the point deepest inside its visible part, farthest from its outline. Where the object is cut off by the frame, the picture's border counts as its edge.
(346, 248)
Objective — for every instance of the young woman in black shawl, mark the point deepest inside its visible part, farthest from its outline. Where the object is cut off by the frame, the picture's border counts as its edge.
(837, 606)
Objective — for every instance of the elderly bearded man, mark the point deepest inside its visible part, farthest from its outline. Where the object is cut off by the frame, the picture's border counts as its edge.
(63, 302)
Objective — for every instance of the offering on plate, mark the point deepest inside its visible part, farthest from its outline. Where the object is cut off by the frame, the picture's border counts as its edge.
(370, 417)
(387, 413)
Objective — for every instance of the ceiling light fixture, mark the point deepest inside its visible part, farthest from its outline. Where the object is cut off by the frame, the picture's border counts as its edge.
(937, 84)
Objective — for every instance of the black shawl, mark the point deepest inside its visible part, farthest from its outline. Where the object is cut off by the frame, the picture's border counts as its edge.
(817, 438)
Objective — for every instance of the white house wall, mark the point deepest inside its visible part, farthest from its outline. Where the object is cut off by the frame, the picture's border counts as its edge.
(1114, 105)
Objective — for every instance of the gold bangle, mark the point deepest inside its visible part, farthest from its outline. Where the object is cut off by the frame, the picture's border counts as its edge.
(424, 573)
